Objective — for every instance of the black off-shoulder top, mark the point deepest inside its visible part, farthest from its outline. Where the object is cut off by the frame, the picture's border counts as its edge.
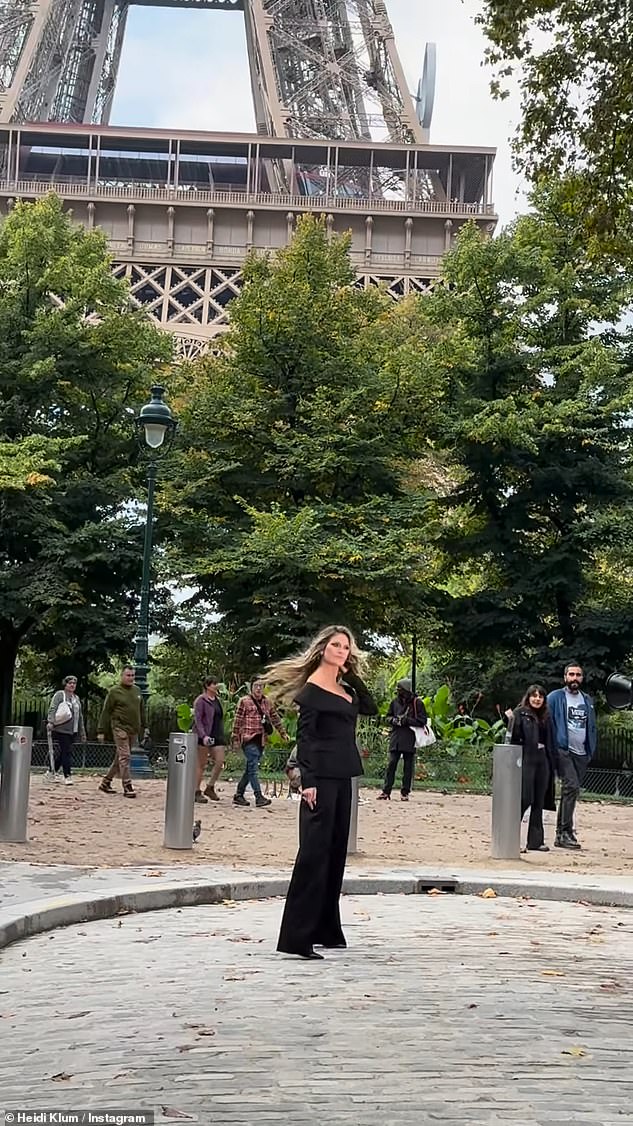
(326, 733)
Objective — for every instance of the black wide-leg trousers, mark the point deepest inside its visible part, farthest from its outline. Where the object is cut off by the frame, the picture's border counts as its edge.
(311, 914)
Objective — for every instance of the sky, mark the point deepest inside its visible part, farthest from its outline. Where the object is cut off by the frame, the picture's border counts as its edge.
(189, 70)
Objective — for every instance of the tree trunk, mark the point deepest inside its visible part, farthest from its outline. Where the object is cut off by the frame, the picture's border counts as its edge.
(565, 623)
(8, 658)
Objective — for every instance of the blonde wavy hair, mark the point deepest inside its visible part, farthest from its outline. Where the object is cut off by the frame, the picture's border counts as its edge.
(285, 678)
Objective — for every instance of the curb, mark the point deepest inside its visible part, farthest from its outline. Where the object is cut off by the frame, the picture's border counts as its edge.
(28, 919)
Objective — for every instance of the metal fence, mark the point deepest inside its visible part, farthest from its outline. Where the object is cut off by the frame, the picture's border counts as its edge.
(467, 770)
(615, 749)
(162, 720)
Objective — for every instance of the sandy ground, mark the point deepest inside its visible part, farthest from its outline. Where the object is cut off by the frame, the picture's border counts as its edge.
(79, 825)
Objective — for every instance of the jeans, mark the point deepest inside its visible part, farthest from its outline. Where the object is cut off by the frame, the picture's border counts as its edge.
(64, 752)
(572, 769)
(252, 753)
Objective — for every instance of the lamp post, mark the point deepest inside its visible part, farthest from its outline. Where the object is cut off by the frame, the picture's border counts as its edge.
(155, 429)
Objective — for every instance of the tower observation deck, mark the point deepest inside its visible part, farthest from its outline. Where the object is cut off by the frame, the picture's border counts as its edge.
(338, 132)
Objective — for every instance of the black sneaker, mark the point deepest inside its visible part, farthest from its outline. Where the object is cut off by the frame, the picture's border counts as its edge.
(261, 802)
(200, 798)
(566, 841)
(105, 787)
(239, 799)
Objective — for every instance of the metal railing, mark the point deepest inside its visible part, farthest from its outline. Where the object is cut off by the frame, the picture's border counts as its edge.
(139, 192)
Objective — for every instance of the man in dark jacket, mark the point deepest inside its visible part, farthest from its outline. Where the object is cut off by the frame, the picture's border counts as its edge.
(405, 713)
(574, 719)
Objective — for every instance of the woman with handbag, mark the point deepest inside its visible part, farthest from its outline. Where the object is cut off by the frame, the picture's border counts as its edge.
(65, 721)
(324, 681)
(531, 728)
(405, 714)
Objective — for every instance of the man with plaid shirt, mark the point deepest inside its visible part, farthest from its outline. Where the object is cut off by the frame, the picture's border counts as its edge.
(254, 720)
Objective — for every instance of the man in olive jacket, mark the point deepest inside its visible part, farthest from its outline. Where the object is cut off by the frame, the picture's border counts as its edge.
(122, 719)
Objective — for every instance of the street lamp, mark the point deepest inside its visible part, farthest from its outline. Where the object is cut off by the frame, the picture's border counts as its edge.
(155, 430)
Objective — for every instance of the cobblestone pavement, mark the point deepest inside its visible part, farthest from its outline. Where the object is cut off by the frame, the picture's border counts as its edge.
(444, 1009)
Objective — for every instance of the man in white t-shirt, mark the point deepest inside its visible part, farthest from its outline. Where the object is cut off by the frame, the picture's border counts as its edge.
(574, 719)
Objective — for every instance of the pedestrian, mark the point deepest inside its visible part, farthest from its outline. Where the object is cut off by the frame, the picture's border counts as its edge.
(208, 724)
(123, 721)
(65, 719)
(531, 728)
(324, 681)
(405, 713)
(575, 730)
(255, 719)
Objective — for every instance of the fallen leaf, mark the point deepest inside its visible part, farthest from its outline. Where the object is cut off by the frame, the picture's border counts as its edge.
(553, 973)
(206, 1032)
(75, 1016)
(488, 894)
(61, 1077)
(153, 874)
(574, 1051)
(435, 891)
(173, 1112)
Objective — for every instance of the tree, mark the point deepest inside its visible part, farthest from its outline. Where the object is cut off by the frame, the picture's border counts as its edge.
(291, 503)
(75, 363)
(572, 59)
(190, 651)
(537, 422)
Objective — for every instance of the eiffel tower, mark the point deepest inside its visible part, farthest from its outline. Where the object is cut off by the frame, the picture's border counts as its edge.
(339, 132)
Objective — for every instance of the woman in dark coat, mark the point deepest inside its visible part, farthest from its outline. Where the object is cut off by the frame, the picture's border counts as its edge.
(531, 728)
(324, 682)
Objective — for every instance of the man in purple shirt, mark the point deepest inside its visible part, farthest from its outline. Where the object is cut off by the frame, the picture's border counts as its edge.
(208, 724)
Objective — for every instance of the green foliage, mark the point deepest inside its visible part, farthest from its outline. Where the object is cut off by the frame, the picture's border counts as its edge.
(184, 713)
(454, 731)
(291, 503)
(193, 649)
(535, 406)
(75, 364)
(573, 63)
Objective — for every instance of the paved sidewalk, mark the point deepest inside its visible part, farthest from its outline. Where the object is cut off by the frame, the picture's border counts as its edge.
(21, 883)
(35, 899)
(445, 1009)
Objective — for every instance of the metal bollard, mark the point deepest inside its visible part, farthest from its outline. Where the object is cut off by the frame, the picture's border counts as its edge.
(181, 790)
(507, 763)
(15, 782)
(352, 840)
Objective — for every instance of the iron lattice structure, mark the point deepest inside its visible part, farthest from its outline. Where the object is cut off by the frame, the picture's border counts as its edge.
(319, 68)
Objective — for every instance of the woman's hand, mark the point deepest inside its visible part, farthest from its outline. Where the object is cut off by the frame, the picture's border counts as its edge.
(309, 796)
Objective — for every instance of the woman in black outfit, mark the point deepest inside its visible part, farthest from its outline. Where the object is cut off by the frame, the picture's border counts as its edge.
(532, 729)
(324, 682)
